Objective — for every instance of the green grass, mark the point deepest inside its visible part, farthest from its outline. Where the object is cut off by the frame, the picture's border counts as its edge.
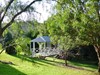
(34, 66)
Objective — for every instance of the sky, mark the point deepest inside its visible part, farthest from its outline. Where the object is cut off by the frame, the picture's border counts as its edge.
(43, 8)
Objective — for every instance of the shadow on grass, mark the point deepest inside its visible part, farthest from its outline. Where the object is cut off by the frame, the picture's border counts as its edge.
(34, 60)
(6, 69)
(39, 61)
(87, 64)
(80, 64)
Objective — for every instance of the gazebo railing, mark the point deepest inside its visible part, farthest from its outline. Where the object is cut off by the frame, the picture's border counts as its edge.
(48, 51)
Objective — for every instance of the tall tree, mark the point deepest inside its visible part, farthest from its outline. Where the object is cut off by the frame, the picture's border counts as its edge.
(4, 10)
(80, 20)
(19, 31)
(59, 33)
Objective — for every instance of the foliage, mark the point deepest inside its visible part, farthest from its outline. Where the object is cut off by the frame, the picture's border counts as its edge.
(42, 29)
(9, 44)
(23, 45)
(75, 23)
(32, 30)
(10, 10)
(20, 34)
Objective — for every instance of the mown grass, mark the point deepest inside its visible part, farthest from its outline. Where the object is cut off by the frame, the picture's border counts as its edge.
(34, 66)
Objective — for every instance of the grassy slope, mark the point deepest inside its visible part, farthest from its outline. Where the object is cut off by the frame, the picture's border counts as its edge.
(33, 66)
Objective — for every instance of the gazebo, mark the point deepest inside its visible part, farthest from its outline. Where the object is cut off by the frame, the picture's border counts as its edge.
(43, 42)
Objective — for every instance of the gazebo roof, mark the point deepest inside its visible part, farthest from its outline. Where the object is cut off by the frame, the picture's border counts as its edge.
(41, 39)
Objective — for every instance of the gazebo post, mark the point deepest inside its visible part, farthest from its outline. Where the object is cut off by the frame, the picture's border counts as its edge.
(48, 44)
(39, 45)
(33, 46)
(44, 45)
(33, 49)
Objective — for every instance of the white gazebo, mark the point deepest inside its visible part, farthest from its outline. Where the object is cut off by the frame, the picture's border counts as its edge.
(43, 42)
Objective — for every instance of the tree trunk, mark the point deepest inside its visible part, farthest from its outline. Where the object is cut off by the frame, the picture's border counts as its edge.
(1, 37)
(65, 57)
(66, 62)
(97, 49)
(1, 32)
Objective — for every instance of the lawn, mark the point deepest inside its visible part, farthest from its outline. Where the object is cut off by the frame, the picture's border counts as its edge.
(33, 66)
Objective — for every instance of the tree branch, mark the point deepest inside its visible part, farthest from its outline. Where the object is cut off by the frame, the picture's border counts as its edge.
(13, 18)
(97, 6)
(7, 7)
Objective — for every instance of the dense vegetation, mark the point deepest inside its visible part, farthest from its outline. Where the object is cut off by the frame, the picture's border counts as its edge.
(76, 22)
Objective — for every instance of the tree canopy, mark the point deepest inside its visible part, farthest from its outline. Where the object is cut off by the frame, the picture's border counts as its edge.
(12, 9)
(76, 22)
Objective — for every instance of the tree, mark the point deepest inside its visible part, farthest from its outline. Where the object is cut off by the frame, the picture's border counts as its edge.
(59, 33)
(80, 21)
(11, 10)
(18, 36)
(4, 13)
(10, 49)
(42, 29)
